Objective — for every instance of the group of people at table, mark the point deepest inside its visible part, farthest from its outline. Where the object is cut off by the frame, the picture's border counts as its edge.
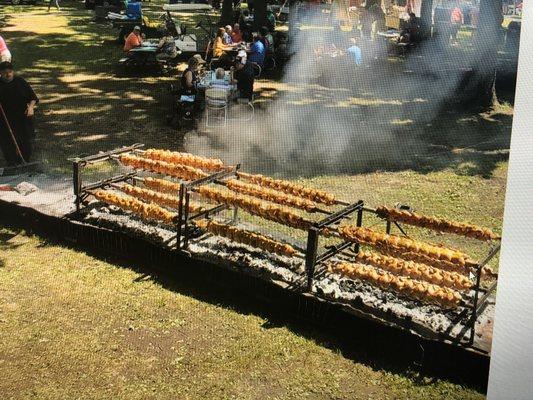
(234, 54)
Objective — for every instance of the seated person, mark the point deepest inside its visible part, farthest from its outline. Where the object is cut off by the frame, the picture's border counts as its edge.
(242, 75)
(245, 22)
(354, 51)
(220, 79)
(227, 35)
(267, 39)
(411, 32)
(220, 84)
(257, 52)
(219, 47)
(189, 78)
(166, 47)
(134, 39)
(236, 34)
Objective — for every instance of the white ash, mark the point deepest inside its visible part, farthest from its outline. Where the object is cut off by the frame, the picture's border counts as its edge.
(53, 194)
(344, 289)
(291, 271)
(25, 188)
(271, 266)
(114, 218)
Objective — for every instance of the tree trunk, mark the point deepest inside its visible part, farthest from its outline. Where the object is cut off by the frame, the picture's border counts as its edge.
(260, 14)
(487, 40)
(426, 17)
(226, 17)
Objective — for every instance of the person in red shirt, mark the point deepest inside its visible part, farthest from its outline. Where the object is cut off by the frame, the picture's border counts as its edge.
(133, 40)
(236, 34)
(457, 21)
(5, 55)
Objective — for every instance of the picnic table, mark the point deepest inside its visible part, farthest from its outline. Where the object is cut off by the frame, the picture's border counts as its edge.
(390, 34)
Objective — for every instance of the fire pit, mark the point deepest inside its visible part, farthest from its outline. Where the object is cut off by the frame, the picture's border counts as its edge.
(217, 213)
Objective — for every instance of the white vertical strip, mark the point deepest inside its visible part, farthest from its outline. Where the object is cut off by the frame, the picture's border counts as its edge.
(511, 369)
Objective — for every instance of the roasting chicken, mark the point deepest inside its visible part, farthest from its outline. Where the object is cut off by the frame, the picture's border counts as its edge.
(414, 289)
(161, 167)
(145, 210)
(246, 237)
(158, 198)
(271, 195)
(318, 196)
(402, 244)
(174, 157)
(161, 185)
(438, 224)
(414, 270)
(257, 207)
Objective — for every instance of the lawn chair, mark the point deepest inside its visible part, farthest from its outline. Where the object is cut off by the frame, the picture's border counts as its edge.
(249, 104)
(216, 101)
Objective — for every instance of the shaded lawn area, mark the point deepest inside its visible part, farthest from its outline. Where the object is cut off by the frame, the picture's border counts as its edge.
(86, 106)
(75, 326)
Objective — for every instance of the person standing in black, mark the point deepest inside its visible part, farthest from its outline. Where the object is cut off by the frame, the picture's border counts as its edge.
(18, 100)
(243, 77)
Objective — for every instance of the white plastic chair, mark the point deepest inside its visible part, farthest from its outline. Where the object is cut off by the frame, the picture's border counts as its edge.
(216, 100)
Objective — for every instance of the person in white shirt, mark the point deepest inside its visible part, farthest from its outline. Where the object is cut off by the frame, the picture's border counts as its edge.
(227, 35)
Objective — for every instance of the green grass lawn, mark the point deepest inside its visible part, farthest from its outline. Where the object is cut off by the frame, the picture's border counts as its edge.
(72, 326)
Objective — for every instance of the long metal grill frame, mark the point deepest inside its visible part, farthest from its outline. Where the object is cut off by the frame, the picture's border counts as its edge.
(313, 260)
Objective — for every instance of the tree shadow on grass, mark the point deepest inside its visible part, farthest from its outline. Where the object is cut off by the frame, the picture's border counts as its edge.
(391, 120)
(375, 345)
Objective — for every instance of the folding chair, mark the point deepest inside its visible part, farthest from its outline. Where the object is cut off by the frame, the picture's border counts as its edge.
(216, 101)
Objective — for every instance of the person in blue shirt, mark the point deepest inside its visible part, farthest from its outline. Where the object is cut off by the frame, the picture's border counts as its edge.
(257, 52)
(355, 52)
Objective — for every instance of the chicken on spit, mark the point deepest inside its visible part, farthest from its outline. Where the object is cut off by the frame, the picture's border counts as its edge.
(145, 210)
(318, 196)
(257, 207)
(161, 185)
(438, 224)
(397, 243)
(174, 157)
(271, 195)
(246, 237)
(422, 291)
(176, 170)
(158, 198)
(414, 270)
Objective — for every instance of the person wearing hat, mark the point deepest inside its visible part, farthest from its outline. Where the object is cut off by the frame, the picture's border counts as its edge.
(18, 100)
(134, 39)
(189, 78)
(242, 75)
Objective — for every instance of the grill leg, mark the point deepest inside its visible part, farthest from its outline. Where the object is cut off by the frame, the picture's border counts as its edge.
(310, 256)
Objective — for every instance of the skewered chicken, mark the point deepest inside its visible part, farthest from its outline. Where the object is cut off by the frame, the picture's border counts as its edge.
(162, 167)
(246, 237)
(271, 195)
(161, 185)
(422, 291)
(174, 157)
(382, 240)
(438, 224)
(415, 270)
(158, 198)
(318, 196)
(145, 210)
(257, 207)
(424, 259)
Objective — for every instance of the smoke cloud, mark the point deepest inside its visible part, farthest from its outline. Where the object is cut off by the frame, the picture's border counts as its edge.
(330, 116)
